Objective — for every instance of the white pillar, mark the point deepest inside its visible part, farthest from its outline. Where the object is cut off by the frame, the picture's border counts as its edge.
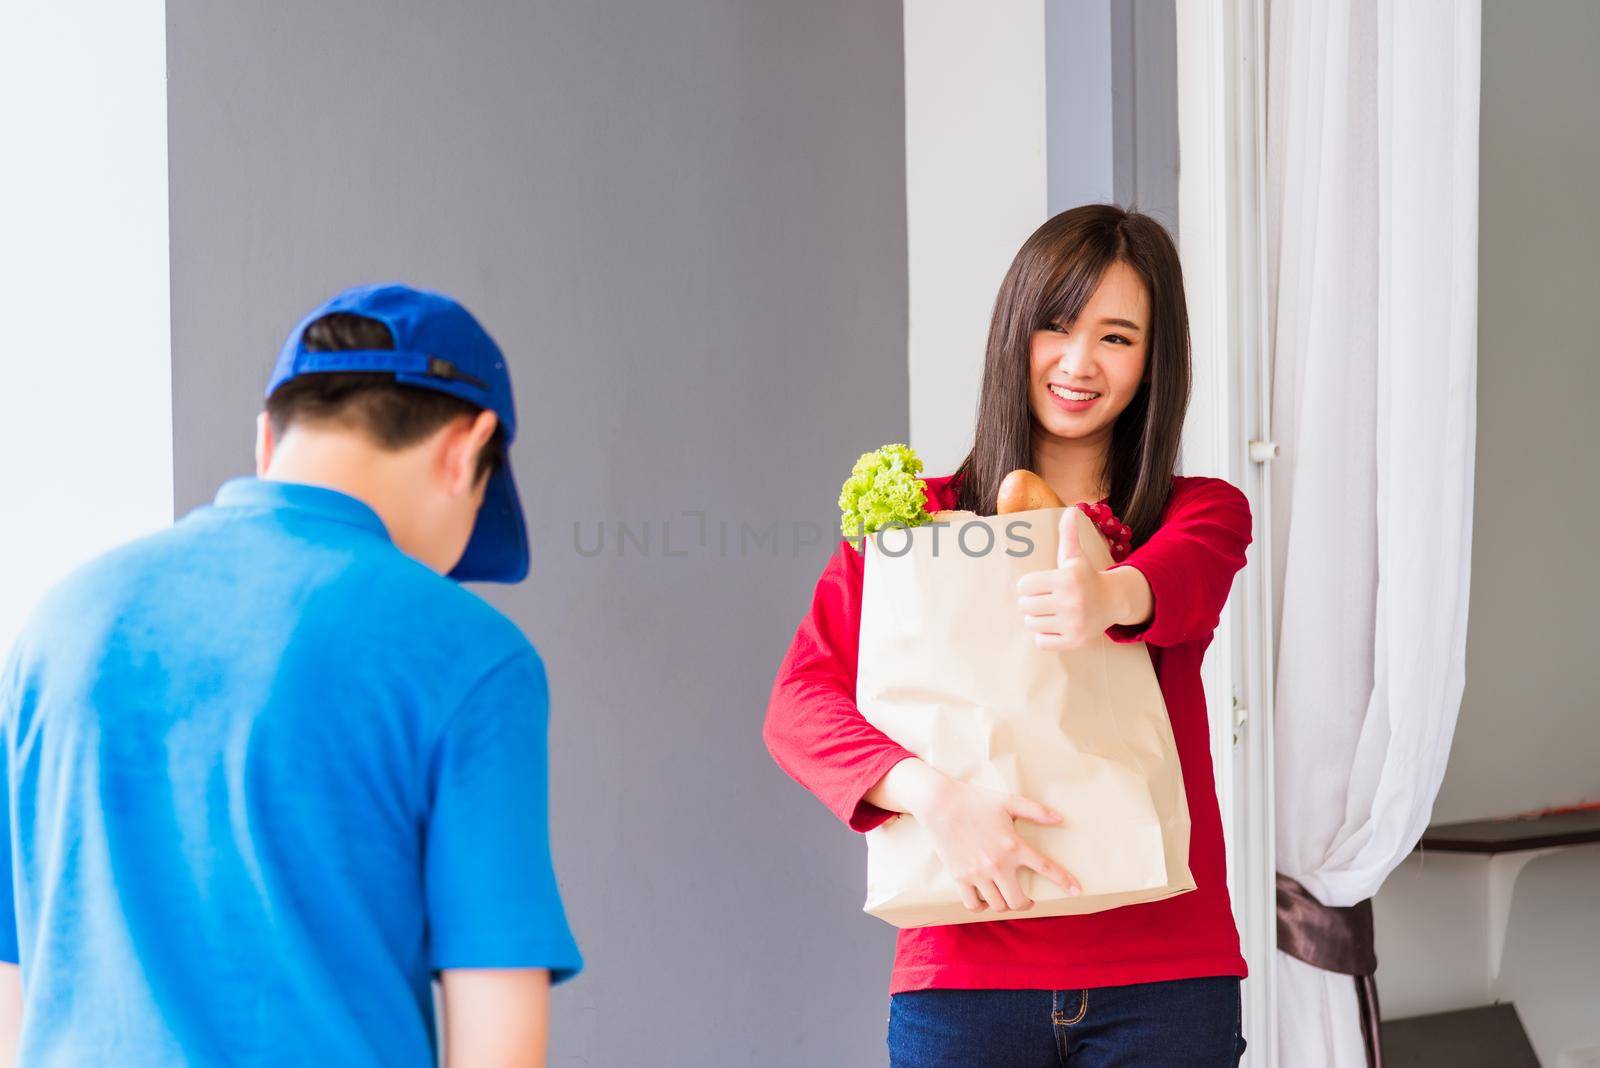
(975, 189)
(86, 399)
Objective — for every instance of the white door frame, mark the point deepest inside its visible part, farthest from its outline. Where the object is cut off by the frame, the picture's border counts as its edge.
(1221, 113)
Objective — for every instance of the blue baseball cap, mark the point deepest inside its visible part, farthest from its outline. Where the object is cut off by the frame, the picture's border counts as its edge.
(438, 345)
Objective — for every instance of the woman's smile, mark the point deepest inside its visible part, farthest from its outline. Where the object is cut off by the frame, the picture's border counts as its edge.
(1071, 400)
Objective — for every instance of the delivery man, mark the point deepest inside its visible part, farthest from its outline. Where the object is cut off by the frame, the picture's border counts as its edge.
(271, 771)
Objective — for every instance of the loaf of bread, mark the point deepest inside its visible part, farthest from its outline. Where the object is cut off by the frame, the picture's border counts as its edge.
(1023, 491)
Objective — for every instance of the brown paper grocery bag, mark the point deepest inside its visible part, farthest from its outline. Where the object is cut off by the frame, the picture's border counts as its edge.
(949, 671)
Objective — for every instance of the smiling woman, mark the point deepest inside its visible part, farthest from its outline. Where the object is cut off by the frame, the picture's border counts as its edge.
(1074, 316)
(1076, 365)
(1085, 381)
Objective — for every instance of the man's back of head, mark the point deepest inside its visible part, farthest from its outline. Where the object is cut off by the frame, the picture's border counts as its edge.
(416, 426)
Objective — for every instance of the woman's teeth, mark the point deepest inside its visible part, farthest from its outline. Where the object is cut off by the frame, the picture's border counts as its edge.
(1067, 394)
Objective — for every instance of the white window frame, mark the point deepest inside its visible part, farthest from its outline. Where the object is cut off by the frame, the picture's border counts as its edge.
(1221, 123)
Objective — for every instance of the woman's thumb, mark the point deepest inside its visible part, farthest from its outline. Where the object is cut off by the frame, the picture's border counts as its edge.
(1068, 545)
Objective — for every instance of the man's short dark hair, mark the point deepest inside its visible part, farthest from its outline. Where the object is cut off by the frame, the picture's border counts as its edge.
(391, 413)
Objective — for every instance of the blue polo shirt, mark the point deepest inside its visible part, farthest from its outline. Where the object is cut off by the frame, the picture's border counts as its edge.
(266, 775)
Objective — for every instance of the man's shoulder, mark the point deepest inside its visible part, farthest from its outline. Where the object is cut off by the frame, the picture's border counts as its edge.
(372, 577)
(99, 582)
(79, 611)
(442, 612)
(213, 568)
(459, 608)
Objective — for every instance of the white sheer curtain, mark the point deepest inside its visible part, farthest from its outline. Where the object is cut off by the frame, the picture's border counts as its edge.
(1372, 218)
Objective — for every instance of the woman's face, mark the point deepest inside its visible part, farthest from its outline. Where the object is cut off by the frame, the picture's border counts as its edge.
(1101, 353)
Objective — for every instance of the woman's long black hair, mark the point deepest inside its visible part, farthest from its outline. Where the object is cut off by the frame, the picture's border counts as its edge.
(1051, 279)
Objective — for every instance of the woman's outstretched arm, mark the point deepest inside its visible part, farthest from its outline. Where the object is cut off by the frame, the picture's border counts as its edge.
(813, 728)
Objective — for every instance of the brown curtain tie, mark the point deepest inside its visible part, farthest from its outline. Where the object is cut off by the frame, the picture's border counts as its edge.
(1335, 940)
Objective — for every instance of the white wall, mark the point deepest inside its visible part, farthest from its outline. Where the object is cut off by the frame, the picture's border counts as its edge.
(1529, 735)
(1435, 945)
(1432, 939)
(975, 189)
(86, 406)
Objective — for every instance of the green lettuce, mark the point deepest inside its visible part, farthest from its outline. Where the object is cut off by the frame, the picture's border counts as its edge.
(883, 490)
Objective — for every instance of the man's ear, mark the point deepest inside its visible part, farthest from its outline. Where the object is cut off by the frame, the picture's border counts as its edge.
(464, 440)
(264, 444)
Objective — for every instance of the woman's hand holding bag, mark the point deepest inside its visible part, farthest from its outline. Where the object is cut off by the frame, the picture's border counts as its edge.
(974, 832)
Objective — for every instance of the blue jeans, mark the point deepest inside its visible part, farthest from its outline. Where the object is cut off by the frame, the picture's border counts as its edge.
(1183, 1022)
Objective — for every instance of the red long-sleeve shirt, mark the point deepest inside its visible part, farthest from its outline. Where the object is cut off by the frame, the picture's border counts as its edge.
(817, 734)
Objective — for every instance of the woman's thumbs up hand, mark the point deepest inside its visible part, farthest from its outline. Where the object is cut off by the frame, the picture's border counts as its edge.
(1072, 604)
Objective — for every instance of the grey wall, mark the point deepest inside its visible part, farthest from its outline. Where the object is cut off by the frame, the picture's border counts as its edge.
(1144, 101)
(1111, 109)
(1528, 734)
(685, 223)
(1079, 118)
